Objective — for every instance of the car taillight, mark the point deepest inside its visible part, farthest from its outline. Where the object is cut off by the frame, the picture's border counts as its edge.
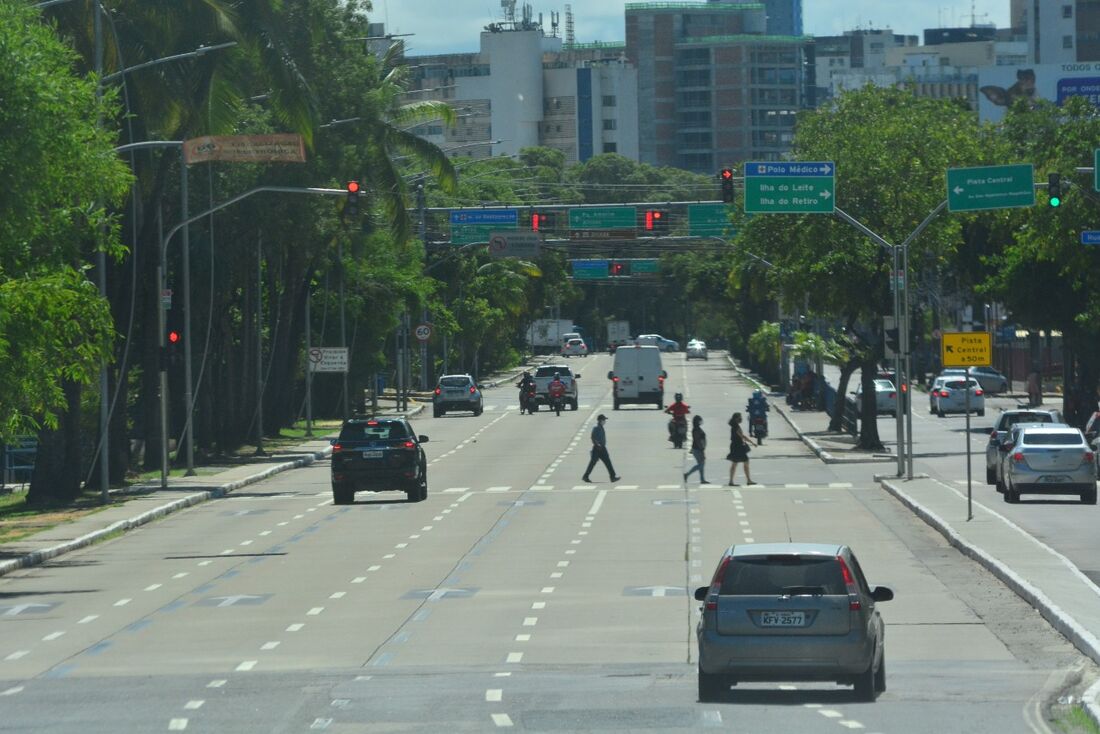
(993, 433)
(854, 603)
(716, 584)
(615, 379)
(472, 389)
(944, 394)
(439, 391)
(372, 423)
(893, 396)
(1088, 458)
(408, 445)
(977, 391)
(1018, 457)
(337, 448)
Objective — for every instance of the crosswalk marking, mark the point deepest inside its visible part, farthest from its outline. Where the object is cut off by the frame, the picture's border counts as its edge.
(502, 489)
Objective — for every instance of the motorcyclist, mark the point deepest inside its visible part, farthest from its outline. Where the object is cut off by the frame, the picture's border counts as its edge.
(679, 411)
(556, 389)
(526, 385)
(758, 407)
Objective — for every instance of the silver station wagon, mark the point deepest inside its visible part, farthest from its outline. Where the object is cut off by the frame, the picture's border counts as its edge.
(791, 612)
(1047, 459)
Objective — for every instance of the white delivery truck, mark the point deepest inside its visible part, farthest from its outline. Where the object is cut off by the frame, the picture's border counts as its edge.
(637, 376)
(618, 333)
(546, 335)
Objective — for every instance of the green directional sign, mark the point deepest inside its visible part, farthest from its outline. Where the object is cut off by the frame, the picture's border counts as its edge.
(589, 269)
(603, 217)
(990, 187)
(645, 267)
(709, 220)
(790, 187)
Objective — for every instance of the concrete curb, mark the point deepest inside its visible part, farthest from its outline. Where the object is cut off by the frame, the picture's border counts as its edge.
(39, 556)
(1081, 638)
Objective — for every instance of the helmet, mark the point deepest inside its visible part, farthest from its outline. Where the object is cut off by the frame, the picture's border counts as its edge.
(758, 393)
(557, 377)
(679, 396)
(526, 373)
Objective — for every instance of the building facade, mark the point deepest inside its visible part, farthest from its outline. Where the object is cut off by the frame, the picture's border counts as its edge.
(714, 88)
(1059, 31)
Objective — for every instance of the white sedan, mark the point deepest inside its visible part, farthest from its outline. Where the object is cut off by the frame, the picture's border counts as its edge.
(950, 397)
(885, 397)
(697, 349)
(574, 348)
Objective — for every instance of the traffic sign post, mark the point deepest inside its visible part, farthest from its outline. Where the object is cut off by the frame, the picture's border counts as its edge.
(423, 332)
(790, 187)
(990, 187)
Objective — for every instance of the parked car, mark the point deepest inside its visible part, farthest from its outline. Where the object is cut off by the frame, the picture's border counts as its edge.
(656, 340)
(991, 380)
(574, 348)
(885, 397)
(791, 612)
(378, 454)
(697, 349)
(457, 392)
(1047, 459)
(950, 397)
(999, 435)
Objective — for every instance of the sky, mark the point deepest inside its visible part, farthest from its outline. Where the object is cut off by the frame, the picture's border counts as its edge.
(448, 26)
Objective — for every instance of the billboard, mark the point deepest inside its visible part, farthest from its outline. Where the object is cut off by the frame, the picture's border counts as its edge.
(1000, 86)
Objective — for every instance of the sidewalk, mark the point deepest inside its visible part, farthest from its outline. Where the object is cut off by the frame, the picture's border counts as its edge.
(1040, 575)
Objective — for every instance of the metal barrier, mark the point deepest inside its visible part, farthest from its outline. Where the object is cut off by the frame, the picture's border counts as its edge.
(849, 419)
(17, 460)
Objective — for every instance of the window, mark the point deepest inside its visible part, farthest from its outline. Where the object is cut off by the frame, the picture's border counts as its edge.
(609, 100)
(1051, 439)
(770, 577)
(693, 78)
(1067, 41)
(610, 148)
(1067, 11)
(693, 99)
(610, 124)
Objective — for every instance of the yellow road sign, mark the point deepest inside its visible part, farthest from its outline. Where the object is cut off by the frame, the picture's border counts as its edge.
(966, 349)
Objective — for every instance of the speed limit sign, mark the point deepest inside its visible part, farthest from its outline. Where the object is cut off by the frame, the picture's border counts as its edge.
(423, 332)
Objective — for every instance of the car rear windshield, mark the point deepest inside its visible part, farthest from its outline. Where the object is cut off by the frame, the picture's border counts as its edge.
(777, 575)
(1012, 419)
(960, 384)
(574, 342)
(454, 381)
(1052, 439)
(373, 431)
(551, 371)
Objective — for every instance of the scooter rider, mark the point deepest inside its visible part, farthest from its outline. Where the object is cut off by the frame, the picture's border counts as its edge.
(679, 411)
(526, 384)
(556, 389)
(758, 407)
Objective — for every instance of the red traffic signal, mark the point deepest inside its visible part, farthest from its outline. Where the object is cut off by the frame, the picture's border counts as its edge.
(726, 177)
(173, 337)
(727, 174)
(616, 268)
(351, 206)
(353, 187)
(541, 221)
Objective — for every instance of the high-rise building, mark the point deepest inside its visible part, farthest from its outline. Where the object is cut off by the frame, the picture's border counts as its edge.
(714, 88)
(1059, 32)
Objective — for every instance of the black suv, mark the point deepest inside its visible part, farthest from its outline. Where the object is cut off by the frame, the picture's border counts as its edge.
(378, 454)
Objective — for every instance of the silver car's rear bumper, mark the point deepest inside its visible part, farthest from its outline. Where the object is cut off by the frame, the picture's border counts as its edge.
(777, 658)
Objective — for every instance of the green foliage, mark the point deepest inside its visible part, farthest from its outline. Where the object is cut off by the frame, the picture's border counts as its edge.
(812, 347)
(765, 343)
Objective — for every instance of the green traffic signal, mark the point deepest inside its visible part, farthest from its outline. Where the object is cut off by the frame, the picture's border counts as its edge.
(1054, 190)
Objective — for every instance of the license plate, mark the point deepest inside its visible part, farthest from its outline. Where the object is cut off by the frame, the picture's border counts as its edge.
(1052, 478)
(782, 619)
(373, 454)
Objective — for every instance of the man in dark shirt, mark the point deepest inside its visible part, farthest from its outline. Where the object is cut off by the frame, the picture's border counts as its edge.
(599, 450)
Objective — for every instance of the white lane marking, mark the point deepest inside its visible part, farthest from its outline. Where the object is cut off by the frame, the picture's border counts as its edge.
(530, 621)
(227, 551)
(437, 518)
(597, 503)
(494, 694)
(523, 638)
(402, 545)
(181, 574)
(284, 522)
(374, 568)
(122, 602)
(177, 724)
(194, 704)
(840, 485)
(265, 532)
(359, 579)
(298, 517)
(270, 645)
(539, 605)
(414, 537)
(389, 556)
(556, 575)
(311, 509)
(582, 532)
(712, 717)
(542, 488)
(315, 611)
(743, 522)
(217, 683)
(320, 724)
(748, 539)
(498, 489)
(586, 524)
(89, 618)
(52, 636)
(830, 713)
(338, 595)
(447, 511)
(246, 542)
(153, 587)
(502, 675)
(326, 502)
(628, 486)
(17, 654)
(575, 542)
(247, 665)
(514, 657)
(295, 627)
(579, 487)
(850, 724)
(425, 528)
(548, 590)
(742, 514)
(668, 486)
(795, 486)
(11, 691)
(570, 552)
(502, 720)
(563, 564)
(465, 497)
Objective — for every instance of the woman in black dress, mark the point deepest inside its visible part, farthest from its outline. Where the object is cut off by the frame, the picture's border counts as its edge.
(739, 450)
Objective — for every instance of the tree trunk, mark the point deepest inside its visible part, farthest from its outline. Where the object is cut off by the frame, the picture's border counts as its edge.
(57, 470)
(846, 370)
(868, 419)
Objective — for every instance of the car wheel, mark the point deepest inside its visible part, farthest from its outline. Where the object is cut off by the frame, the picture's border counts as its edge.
(999, 485)
(865, 684)
(342, 495)
(1004, 387)
(880, 675)
(1088, 497)
(436, 412)
(711, 687)
(990, 476)
(615, 403)
(572, 404)
(939, 413)
(534, 408)
(477, 411)
(1011, 495)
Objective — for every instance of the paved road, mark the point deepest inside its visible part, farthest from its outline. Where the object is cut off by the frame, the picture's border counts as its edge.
(515, 597)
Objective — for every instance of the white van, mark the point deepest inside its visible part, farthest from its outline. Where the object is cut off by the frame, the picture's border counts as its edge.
(638, 376)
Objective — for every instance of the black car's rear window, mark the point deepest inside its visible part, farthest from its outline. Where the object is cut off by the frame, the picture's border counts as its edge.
(782, 574)
(373, 431)
(1052, 439)
(454, 381)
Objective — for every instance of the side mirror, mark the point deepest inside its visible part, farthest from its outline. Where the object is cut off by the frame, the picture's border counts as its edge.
(701, 593)
(576, 376)
(882, 593)
(479, 387)
(611, 375)
(664, 374)
(422, 439)
(333, 441)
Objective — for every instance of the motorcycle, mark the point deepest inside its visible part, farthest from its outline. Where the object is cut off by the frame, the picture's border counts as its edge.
(556, 402)
(758, 427)
(527, 400)
(677, 431)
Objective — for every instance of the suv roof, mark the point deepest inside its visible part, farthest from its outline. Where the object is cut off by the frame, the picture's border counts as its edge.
(548, 370)
(765, 549)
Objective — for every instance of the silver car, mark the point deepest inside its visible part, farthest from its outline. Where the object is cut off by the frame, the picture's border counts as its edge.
(885, 397)
(950, 397)
(1046, 459)
(697, 349)
(999, 435)
(791, 612)
(457, 392)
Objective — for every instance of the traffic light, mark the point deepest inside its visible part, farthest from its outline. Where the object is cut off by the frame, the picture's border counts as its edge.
(726, 177)
(351, 208)
(618, 268)
(656, 221)
(893, 341)
(543, 221)
(1054, 190)
(171, 354)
